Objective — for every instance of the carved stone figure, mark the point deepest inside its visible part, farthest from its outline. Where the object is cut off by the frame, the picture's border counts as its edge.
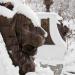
(21, 38)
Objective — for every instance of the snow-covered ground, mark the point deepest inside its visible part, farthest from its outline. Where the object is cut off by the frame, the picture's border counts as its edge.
(69, 60)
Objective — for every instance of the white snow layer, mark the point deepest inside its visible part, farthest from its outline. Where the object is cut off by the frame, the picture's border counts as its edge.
(6, 67)
(69, 61)
(70, 24)
(5, 1)
(6, 12)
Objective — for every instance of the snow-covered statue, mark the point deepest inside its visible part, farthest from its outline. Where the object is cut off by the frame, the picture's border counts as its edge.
(22, 34)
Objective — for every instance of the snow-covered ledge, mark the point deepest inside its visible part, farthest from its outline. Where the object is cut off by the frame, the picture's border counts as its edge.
(52, 54)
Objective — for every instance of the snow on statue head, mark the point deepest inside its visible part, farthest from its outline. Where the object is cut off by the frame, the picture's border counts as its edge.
(22, 34)
(7, 1)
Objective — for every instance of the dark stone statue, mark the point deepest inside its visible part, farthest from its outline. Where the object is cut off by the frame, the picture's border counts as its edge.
(22, 40)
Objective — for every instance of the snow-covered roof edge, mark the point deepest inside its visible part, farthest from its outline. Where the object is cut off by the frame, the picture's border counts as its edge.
(6, 12)
(5, 1)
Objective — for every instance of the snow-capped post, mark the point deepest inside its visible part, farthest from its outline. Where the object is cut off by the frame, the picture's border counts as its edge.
(48, 3)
